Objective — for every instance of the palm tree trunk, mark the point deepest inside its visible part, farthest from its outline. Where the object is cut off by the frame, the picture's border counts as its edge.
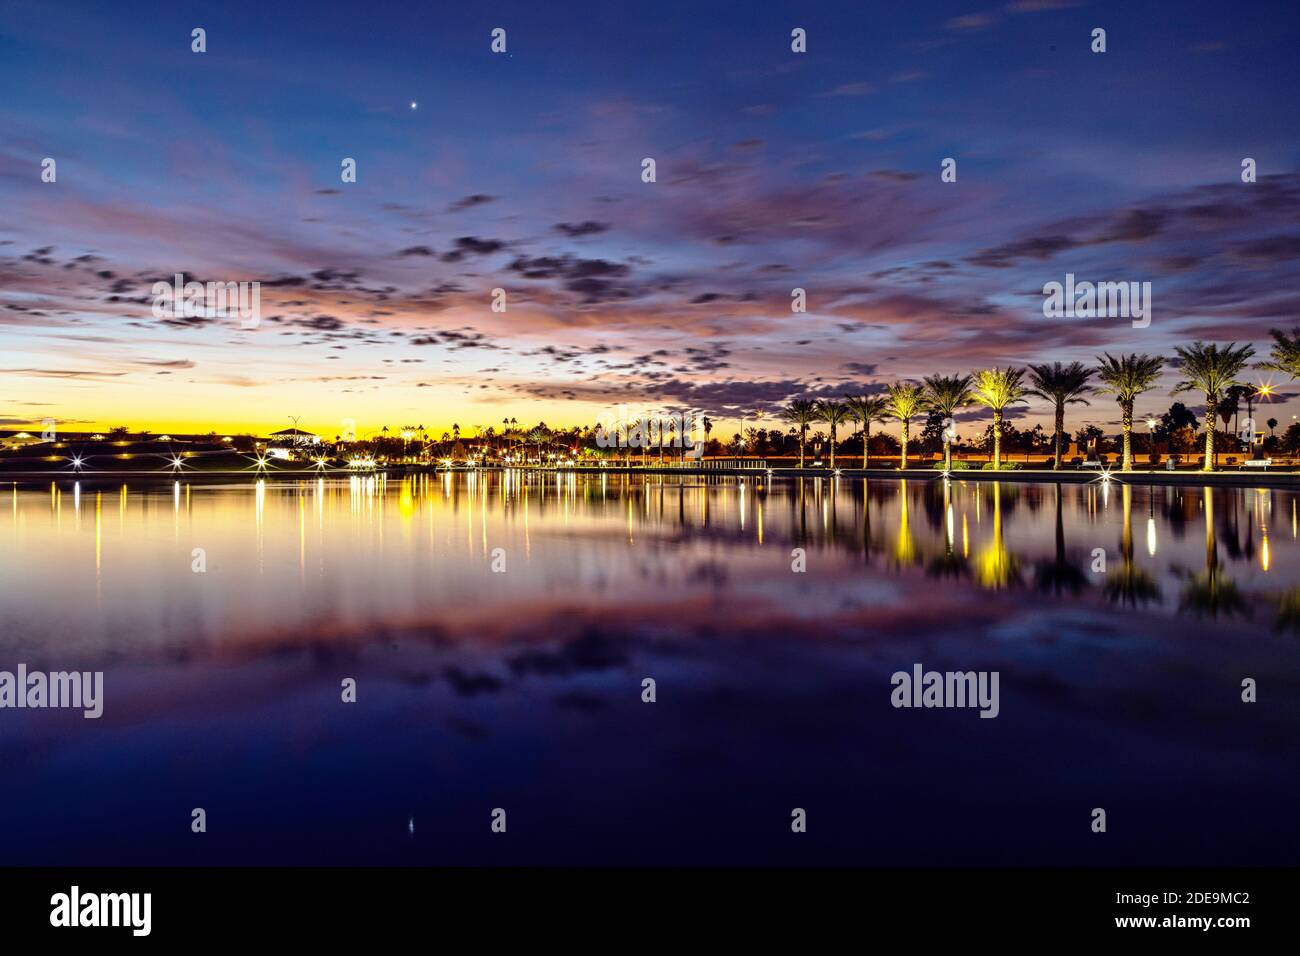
(803, 437)
(866, 438)
(1211, 415)
(902, 461)
(947, 450)
(1126, 421)
(832, 446)
(997, 439)
(1060, 434)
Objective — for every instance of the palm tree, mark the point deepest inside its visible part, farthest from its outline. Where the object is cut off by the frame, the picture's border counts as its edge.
(536, 437)
(801, 412)
(833, 414)
(906, 401)
(1211, 370)
(1239, 394)
(1061, 385)
(947, 393)
(997, 388)
(867, 409)
(1126, 378)
(1284, 356)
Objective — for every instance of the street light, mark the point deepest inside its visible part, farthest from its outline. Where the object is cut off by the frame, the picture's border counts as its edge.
(1151, 427)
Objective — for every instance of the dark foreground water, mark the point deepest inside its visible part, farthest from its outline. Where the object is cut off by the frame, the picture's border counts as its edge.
(521, 688)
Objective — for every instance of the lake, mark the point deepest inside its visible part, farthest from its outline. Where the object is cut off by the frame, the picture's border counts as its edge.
(499, 628)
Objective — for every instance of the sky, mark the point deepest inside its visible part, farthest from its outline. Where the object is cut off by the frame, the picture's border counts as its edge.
(522, 171)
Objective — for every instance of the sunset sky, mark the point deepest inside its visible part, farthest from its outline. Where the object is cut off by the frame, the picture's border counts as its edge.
(522, 171)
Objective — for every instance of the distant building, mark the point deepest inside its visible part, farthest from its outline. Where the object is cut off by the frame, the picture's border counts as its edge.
(20, 439)
(291, 443)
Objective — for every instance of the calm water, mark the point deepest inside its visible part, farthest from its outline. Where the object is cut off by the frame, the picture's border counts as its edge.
(521, 688)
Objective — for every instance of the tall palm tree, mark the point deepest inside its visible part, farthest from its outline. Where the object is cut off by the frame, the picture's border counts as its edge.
(511, 429)
(801, 412)
(833, 414)
(996, 388)
(1126, 378)
(536, 437)
(1061, 385)
(946, 394)
(906, 401)
(1210, 370)
(867, 409)
(1239, 394)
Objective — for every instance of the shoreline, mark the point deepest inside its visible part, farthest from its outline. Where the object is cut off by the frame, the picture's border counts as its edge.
(1223, 478)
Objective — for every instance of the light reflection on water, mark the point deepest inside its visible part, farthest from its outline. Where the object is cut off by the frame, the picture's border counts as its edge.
(90, 563)
(480, 688)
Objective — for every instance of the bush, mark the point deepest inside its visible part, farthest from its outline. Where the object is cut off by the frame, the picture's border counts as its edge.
(1006, 466)
(957, 465)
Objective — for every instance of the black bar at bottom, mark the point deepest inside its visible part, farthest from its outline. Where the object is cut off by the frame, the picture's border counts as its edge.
(333, 905)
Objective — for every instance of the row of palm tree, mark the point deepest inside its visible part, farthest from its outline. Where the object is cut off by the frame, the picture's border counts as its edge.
(1207, 368)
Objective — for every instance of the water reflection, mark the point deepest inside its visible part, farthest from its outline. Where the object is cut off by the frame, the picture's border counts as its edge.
(373, 549)
(950, 564)
(1061, 574)
(1131, 584)
(1212, 593)
(499, 627)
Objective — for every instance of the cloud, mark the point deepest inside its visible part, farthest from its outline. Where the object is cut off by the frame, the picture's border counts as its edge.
(167, 363)
(851, 89)
(594, 280)
(575, 230)
(472, 246)
(60, 373)
(469, 202)
(1038, 6)
(970, 22)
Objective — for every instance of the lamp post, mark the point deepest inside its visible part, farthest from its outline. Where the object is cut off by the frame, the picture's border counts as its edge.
(1151, 428)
